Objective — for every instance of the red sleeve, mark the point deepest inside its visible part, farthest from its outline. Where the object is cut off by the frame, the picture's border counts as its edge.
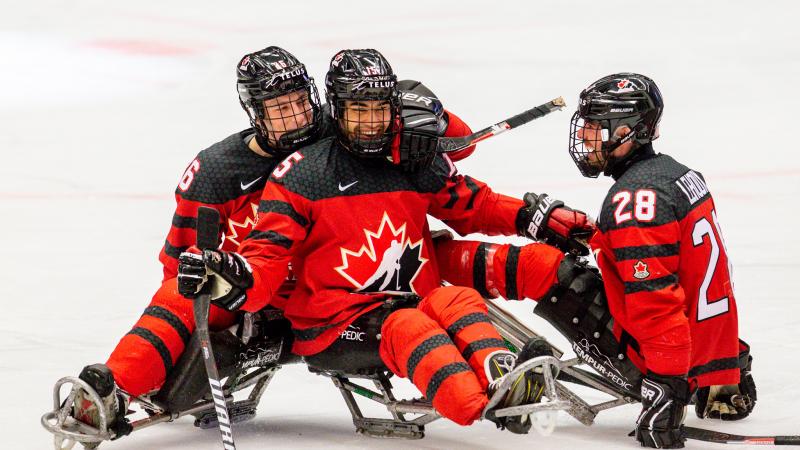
(283, 218)
(639, 263)
(470, 206)
(182, 232)
(458, 128)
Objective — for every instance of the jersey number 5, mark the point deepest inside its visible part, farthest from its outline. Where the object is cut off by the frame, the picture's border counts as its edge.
(286, 164)
(707, 309)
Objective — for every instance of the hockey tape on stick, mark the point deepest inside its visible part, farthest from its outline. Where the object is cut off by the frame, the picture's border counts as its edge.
(725, 438)
(447, 145)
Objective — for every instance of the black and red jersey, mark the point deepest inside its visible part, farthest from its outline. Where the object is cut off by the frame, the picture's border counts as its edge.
(666, 271)
(354, 229)
(228, 177)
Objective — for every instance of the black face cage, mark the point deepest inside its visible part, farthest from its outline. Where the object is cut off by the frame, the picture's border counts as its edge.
(594, 159)
(369, 127)
(291, 118)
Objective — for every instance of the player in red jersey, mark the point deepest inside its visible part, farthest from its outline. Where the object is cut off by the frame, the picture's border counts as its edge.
(282, 104)
(354, 229)
(664, 263)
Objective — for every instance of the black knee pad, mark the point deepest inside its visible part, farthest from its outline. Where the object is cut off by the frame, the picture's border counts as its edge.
(576, 306)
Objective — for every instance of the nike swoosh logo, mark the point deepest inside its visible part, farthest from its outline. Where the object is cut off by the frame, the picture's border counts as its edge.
(347, 186)
(246, 186)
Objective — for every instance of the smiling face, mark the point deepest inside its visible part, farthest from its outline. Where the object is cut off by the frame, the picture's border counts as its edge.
(365, 120)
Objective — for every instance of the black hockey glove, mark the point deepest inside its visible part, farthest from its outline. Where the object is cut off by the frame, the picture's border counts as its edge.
(664, 399)
(548, 220)
(729, 402)
(417, 149)
(226, 275)
(423, 123)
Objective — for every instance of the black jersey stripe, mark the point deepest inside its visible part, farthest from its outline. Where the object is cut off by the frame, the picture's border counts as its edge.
(157, 343)
(443, 374)
(714, 366)
(425, 347)
(479, 270)
(473, 188)
(656, 284)
(453, 198)
(172, 251)
(279, 207)
(482, 344)
(170, 318)
(512, 263)
(646, 251)
(179, 221)
(272, 236)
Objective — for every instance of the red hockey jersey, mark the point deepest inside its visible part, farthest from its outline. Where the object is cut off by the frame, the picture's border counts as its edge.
(228, 177)
(353, 229)
(666, 273)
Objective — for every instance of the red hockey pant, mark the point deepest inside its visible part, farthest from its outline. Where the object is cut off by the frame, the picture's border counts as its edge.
(145, 355)
(441, 346)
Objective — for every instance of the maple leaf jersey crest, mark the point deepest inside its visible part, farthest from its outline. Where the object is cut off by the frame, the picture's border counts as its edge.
(387, 262)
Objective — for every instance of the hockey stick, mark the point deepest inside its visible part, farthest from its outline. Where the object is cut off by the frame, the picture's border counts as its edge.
(701, 434)
(207, 235)
(447, 145)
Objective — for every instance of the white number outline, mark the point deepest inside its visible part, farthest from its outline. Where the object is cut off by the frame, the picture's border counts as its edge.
(286, 164)
(641, 203)
(188, 176)
(623, 197)
(708, 309)
(644, 206)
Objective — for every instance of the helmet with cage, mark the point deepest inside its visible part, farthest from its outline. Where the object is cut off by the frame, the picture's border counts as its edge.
(280, 99)
(616, 109)
(361, 89)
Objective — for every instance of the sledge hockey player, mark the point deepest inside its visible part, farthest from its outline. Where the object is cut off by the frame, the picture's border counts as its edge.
(282, 103)
(664, 263)
(353, 227)
(283, 106)
(695, 345)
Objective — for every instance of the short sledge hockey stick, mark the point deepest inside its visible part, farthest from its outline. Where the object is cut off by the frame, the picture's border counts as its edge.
(207, 235)
(718, 437)
(454, 144)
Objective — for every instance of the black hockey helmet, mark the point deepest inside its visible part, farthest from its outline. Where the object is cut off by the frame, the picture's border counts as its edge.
(622, 99)
(361, 89)
(269, 75)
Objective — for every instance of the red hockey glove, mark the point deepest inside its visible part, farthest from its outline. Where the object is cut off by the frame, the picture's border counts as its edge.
(548, 220)
(226, 274)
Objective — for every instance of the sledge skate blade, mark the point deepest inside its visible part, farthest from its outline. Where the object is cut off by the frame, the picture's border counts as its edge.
(550, 367)
(66, 428)
(532, 408)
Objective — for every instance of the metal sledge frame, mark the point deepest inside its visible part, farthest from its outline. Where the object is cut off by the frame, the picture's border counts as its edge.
(69, 431)
(517, 333)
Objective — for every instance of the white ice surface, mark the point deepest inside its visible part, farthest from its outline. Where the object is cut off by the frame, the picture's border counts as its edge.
(102, 104)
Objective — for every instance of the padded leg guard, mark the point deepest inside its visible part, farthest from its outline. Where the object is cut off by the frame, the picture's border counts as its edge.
(576, 306)
(414, 346)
